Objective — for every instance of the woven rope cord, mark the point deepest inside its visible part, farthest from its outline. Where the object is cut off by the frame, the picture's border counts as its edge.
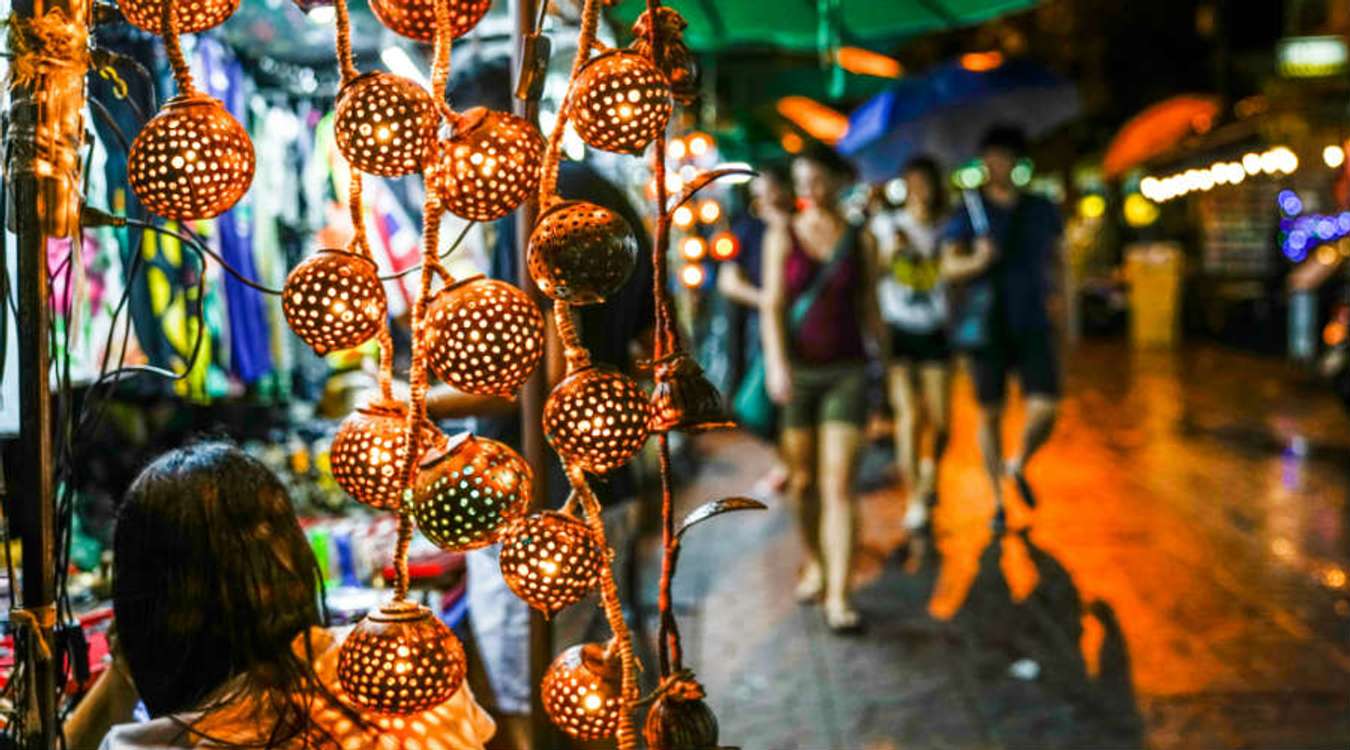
(609, 597)
(346, 61)
(173, 47)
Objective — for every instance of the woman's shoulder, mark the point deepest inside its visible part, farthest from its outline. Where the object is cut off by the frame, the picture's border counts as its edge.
(156, 734)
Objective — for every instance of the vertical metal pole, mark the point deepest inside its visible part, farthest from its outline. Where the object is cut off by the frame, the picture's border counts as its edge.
(532, 395)
(42, 162)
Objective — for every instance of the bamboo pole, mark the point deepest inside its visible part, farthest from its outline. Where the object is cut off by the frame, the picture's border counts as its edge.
(49, 40)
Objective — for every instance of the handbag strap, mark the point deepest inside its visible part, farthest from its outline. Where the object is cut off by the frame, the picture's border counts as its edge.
(807, 299)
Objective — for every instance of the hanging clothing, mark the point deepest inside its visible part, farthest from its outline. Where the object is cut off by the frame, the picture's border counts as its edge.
(250, 349)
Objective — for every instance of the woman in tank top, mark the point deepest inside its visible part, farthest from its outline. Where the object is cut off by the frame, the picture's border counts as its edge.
(914, 306)
(818, 319)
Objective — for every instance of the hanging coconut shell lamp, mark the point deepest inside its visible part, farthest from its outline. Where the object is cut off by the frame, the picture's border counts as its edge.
(334, 300)
(488, 167)
(385, 124)
(597, 418)
(550, 560)
(484, 336)
(468, 490)
(580, 253)
(192, 15)
(416, 19)
(192, 160)
(684, 399)
(582, 694)
(401, 660)
(622, 102)
(679, 719)
(370, 452)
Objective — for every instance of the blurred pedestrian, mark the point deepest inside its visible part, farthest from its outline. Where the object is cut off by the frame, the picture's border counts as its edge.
(741, 282)
(818, 316)
(914, 306)
(999, 250)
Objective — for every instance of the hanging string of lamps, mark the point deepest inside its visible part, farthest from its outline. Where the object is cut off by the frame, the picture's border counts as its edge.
(193, 161)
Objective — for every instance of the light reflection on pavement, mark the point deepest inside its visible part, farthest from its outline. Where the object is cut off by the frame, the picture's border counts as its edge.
(1182, 584)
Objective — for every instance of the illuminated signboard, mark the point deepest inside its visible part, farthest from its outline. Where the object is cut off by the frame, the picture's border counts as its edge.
(1312, 56)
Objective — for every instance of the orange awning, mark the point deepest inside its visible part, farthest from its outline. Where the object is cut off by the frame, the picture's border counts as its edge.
(1158, 129)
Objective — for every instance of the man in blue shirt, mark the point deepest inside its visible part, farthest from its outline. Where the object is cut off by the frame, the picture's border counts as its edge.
(1009, 252)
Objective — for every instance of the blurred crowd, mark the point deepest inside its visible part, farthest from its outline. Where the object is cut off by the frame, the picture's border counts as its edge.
(838, 303)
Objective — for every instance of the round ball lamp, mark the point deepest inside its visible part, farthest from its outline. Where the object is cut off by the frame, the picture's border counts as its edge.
(416, 19)
(191, 16)
(191, 161)
(489, 167)
(622, 102)
(334, 300)
(550, 560)
(580, 253)
(468, 490)
(401, 660)
(582, 693)
(597, 418)
(484, 336)
(370, 452)
(384, 124)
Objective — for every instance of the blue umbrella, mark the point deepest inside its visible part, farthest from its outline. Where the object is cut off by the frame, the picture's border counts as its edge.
(944, 112)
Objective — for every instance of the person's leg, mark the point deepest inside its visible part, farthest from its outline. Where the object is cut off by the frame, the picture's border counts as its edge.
(1038, 370)
(843, 413)
(1040, 423)
(839, 445)
(989, 372)
(935, 385)
(798, 450)
(905, 402)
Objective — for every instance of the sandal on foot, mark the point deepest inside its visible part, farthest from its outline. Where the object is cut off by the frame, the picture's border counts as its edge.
(843, 620)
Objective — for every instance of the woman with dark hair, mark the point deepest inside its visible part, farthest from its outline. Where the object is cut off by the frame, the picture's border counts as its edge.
(818, 316)
(914, 307)
(219, 614)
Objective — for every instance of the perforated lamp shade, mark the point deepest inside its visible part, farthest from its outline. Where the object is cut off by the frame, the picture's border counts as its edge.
(369, 452)
(416, 19)
(191, 161)
(401, 660)
(550, 560)
(598, 418)
(484, 336)
(334, 300)
(468, 490)
(191, 16)
(581, 253)
(385, 124)
(489, 167)
(622, 102)
(582, 693)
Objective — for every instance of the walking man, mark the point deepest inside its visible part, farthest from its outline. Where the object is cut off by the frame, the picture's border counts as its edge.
(998, 251)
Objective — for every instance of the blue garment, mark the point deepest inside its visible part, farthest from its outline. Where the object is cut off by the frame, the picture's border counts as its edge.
(750, 231)
(250, 332)
(1026, 248)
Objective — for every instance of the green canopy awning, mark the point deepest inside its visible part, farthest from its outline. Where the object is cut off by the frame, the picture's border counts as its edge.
(716, 25)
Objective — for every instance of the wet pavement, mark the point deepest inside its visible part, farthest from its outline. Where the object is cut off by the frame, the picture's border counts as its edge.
(1181, 585)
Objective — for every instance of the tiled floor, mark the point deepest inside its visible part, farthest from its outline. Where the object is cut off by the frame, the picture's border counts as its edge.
(1182, 585)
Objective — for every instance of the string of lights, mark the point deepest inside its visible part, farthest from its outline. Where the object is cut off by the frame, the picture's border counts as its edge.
(193, 161)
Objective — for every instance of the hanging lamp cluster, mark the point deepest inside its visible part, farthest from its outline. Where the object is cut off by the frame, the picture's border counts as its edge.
(194, 161)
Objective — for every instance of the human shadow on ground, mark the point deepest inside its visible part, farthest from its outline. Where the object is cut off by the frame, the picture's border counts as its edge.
(1040, 680)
